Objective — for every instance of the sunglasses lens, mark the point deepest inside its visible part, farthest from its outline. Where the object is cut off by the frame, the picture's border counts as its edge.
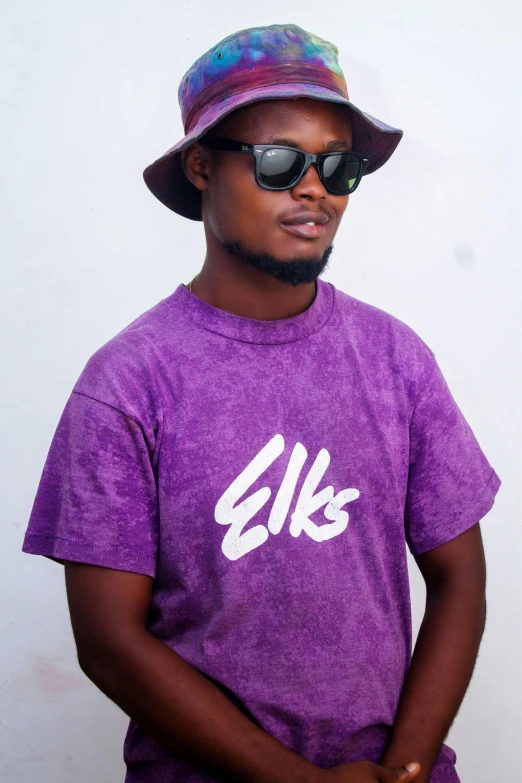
(340, 173)
(279, 167)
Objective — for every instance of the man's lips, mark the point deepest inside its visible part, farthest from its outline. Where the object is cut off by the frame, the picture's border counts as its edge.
(307, 225)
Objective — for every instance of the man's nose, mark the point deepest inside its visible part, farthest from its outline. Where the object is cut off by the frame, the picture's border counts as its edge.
(310, 186)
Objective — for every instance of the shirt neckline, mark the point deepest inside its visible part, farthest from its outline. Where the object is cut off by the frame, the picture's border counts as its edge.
(253, 330)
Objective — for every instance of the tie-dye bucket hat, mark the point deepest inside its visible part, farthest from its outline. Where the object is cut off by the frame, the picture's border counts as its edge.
(261, 63)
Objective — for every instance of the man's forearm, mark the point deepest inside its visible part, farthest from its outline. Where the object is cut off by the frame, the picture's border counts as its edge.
(189, 715)
(441, 668)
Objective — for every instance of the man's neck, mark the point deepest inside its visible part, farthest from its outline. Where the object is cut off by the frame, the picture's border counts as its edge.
(230, 285)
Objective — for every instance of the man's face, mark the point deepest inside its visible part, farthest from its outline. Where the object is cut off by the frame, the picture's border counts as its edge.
(238, 211)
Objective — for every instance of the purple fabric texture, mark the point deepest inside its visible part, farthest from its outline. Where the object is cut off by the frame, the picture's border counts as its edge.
(269, 475)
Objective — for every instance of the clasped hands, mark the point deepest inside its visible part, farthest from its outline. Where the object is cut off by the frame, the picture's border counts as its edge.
(366, 772)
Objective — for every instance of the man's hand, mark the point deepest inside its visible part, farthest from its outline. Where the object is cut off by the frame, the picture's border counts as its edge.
(366, 772)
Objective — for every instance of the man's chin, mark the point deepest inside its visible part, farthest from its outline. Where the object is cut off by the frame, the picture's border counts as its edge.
(292, 271)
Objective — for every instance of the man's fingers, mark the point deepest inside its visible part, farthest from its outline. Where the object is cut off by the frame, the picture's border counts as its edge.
(403, 774)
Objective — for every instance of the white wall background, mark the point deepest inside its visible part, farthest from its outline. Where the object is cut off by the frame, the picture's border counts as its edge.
(89, 98)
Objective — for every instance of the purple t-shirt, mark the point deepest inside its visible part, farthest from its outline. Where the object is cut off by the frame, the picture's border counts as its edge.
(269, 475)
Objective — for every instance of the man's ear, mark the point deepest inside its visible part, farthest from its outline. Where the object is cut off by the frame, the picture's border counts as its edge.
(196, 162)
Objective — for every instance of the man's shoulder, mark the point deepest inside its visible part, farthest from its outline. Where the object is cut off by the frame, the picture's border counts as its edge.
(383, 338)
(367, 318)
(125, 370)
(365, 314)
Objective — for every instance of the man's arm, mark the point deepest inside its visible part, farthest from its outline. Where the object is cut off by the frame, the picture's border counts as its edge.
(173, 701)
(155, 686)
(445, 652)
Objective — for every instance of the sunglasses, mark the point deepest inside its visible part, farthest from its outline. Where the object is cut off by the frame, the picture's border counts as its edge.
(280, 168)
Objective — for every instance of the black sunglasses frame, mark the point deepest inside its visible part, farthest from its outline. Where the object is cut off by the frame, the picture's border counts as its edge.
(258, 150)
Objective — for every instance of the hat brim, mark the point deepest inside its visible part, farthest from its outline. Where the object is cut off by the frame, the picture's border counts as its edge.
(166, 179)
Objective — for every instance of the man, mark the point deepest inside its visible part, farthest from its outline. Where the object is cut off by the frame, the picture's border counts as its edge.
(237, 473)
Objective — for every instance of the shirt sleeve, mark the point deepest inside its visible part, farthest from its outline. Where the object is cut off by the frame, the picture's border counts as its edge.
(451, 484)
(96, 501)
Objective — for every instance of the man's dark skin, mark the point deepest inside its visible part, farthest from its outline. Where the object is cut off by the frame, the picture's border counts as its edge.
(109, 608)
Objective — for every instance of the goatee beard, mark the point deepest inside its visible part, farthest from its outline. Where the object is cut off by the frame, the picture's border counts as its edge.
(302, 270)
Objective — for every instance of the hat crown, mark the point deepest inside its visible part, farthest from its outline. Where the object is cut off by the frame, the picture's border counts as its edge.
(253, 48)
